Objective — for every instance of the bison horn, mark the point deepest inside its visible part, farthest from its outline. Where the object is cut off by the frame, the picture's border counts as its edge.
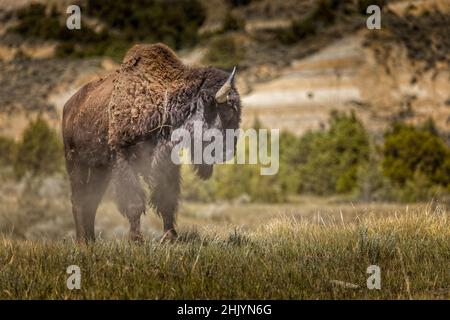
(221, 95)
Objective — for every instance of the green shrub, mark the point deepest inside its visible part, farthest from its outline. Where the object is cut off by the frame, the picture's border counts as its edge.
(232, 23)
(40, 150)
(240, 3)
(363, 4)
(7, 151)
(234, 181)
(329, 160)
(323, 15)
(172, 22)
(291, 156)
(35, 22)
(195, 189)
(224, 52)
(417, 188)
(372, 185)
(408, 149)
(230, 182)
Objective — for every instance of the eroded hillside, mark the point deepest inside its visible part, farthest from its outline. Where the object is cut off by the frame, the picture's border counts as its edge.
(400, 71)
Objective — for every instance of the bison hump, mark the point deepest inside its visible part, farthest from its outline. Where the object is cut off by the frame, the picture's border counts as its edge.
(148, 75)
(156, 61)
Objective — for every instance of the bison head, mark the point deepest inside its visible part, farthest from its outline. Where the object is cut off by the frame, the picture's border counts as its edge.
(213, 120)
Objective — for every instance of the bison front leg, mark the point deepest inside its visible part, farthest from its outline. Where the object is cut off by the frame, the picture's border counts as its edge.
(130, 197)
(165, 201)
(164, 180)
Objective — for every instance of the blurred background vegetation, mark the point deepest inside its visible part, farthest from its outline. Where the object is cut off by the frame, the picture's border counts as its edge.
(410, 164)
(114, 26)
(122, 23)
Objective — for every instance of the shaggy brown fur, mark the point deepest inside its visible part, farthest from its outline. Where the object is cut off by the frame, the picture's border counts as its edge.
(119, 128)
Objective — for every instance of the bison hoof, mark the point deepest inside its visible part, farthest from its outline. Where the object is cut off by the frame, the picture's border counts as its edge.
(136, 237)
(169, 235)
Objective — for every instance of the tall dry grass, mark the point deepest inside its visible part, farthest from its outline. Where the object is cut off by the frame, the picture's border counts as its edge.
(286, 258)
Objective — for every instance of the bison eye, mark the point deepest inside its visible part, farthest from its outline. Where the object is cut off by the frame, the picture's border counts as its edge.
(227, 113)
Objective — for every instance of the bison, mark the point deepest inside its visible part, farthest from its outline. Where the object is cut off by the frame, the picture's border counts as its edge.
(118, 128)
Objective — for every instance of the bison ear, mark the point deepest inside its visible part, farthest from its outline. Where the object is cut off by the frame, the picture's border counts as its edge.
(221, 95)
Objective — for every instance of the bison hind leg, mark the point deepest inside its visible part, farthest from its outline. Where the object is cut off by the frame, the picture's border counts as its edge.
(88, 186)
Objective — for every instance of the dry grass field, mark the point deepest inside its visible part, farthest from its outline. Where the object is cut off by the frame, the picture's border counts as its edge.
(246, 252)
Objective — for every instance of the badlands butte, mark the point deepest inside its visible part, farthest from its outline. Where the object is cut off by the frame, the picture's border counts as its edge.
(399, 72)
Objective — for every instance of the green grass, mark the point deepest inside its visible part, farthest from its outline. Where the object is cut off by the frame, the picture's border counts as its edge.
(286, 258)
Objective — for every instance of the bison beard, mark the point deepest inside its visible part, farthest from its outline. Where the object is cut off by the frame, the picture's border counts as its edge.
(118, 128)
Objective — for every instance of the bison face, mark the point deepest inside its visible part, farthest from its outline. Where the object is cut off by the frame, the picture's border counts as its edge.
(214, 122)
